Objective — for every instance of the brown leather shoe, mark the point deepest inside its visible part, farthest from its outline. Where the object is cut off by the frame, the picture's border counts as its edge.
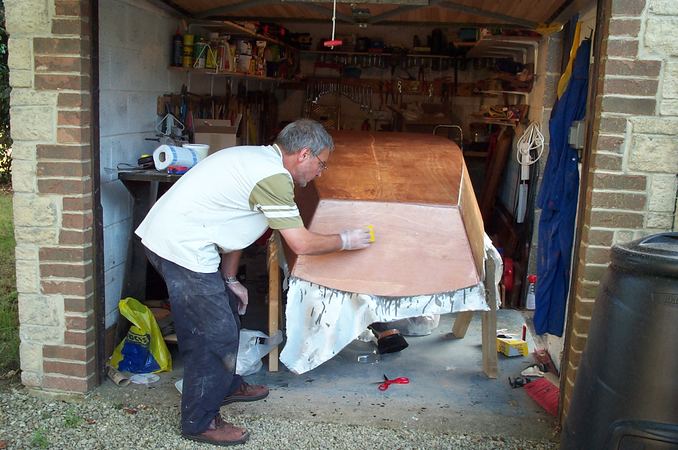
(247, 393)
(220, 433)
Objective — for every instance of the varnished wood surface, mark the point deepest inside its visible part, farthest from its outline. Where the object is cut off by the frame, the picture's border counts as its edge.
(533, 10)
(419, 249)
(392, 167)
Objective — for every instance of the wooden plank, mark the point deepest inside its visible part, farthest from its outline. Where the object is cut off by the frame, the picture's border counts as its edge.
(473, 220)
(461, 323)
(273, 299)
(494, 172)
(489, 327)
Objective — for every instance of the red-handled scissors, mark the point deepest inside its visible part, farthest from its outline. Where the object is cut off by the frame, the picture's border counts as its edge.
(387, 382)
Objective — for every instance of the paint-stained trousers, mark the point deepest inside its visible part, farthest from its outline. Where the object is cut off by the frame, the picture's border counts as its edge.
(207, 326)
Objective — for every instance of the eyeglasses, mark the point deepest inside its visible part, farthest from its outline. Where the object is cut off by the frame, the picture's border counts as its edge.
(323, 164)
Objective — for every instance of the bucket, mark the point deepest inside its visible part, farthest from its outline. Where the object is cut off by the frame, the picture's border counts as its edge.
(201, 150)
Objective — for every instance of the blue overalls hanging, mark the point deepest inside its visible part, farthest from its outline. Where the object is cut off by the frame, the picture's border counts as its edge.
(558, 201)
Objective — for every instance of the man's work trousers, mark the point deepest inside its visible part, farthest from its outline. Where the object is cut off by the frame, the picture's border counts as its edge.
(207, 326)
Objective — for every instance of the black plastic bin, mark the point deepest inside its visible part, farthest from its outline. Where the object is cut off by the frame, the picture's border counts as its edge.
(626, 392)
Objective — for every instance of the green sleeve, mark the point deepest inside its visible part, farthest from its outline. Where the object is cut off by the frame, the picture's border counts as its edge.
(274, 196)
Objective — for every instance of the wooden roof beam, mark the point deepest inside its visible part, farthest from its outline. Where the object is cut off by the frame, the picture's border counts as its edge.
(400, 10)
(488, 14)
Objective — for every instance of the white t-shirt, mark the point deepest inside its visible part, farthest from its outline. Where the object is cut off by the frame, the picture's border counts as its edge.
(222, 204)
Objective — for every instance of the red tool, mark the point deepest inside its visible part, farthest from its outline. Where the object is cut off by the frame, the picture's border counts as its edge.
(387, 382)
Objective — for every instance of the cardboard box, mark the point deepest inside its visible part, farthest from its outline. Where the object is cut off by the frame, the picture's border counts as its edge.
(218, 134)
(512, 347)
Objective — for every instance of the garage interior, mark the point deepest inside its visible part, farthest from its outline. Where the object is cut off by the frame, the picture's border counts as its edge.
(475, 71)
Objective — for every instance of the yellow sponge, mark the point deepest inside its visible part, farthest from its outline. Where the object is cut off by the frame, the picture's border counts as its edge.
(371, 228)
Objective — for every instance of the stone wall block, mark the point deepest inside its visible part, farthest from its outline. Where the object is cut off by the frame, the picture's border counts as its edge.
(24, 151)
(660, 35)
(36, 235)
(41, 334)
(669, 108)
(27, 277)
(27, 16)
(29, 97)
(657, 154)
(664, 7)
(20, 54)
(659, 221)
(655, 125)
(30, 378)
(33, 123)
(41, 310)
(670, 88)
(31, 210)
(30, 355)
(21, 78)
(662, 195)
(26, 252)
(23, 176)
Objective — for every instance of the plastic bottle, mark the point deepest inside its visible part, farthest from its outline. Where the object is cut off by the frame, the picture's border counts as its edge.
(177, 49)
(531, 287)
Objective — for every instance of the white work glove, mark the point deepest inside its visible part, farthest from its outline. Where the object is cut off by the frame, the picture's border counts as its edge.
(240, 291)
(355, 239)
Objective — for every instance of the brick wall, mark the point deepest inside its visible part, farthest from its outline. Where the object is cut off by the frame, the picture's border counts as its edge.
(631, 179)
(49, 50)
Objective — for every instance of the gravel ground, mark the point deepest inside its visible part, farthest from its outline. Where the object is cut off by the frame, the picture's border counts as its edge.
(93, 423)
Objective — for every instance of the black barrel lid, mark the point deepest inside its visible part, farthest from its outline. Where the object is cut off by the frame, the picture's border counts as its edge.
(656, 254)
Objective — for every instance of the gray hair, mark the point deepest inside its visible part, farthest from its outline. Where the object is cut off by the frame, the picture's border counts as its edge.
(304, 133)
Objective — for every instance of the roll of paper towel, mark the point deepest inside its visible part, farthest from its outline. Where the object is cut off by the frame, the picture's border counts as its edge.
(170, 155)
(200, 149)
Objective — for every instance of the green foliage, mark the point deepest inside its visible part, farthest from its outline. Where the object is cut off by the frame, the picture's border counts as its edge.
(39, 439)
(72, 419)
(5, 138)
(9, 320)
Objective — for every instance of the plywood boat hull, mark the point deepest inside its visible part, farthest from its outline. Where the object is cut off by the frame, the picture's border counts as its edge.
(414, 190)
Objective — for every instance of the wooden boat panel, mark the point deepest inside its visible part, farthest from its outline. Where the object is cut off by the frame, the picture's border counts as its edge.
(419, 249)
(393, 167)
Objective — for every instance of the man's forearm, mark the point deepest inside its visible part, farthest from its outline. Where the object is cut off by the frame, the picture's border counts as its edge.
(230, 262)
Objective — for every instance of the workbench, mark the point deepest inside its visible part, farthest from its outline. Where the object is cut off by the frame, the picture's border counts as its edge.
(145, 186)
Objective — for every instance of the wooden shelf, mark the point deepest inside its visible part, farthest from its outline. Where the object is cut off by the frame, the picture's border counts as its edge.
(213, 72)
(504, 92)
(237, 29)
(508, 123)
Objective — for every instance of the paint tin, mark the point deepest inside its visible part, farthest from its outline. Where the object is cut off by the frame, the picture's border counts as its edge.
(187, 60)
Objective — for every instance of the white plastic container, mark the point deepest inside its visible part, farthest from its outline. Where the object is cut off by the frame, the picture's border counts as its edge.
(201, 150)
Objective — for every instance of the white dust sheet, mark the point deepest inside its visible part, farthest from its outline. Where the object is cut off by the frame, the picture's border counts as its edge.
(322, 321)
